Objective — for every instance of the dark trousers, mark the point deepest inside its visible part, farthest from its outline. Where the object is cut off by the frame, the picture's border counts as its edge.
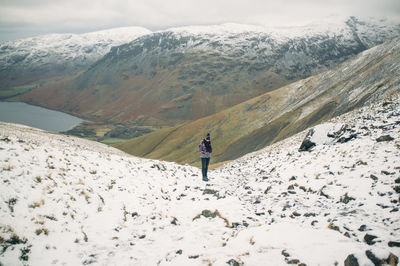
(204, 166)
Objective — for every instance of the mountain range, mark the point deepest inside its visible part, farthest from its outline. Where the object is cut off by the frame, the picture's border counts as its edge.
(178, 75)
(275, 115)
(249, 86)
(34, 60)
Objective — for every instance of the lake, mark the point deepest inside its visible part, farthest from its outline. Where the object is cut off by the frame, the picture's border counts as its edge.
(38, 117)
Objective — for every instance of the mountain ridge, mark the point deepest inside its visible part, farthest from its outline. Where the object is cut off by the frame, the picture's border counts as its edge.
(175, 76)
(57, 54)
(275, 115)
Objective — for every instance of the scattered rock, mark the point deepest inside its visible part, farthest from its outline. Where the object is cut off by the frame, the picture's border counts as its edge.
(293, 261)
(386, 104)
(351, 260)
(384, 138)
(397, 181)
(397, 189)
(373, 258)
(306, 145)
(394, 244)
(174, 220)
(345, 139)
(6, 139)
(369, 239)
(233, 262)
(267, 190)
(387, 173)
(194, 257)
(392, 259)
(210, 214)
(285, 254)
(333, 227)
(362, 228)
(374, 177)
(179, 252)
(213, 192)
(346, 199)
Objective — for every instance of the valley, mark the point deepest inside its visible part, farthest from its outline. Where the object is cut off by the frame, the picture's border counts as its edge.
(155, 94)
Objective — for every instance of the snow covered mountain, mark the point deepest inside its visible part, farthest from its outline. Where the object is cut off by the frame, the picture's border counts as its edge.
(183, 74)
(278, 114)
(69, 201)
(29, 60)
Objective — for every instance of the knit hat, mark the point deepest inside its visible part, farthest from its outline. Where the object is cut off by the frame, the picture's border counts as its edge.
(208, 136)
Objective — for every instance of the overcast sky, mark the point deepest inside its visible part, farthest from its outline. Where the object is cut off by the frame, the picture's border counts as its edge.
(24, 18)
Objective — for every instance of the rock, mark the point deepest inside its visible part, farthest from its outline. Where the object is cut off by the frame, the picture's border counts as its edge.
(233, 262)
(346, 199)
(369, 239)
(307, 144)
(333, 227)
(174, 220)
(386, 104)
(394, 244)
(339, 132)
(362, 228)
(397, 189)
(374, 177)
(209, 214)
(267, 190)
(293, 261)
(6, 139)
(397, 181)
(392, 260)
(387, 173)
(384, 138)
(345, 139)
(296, 214)
(351, 260)
(285, 254)
(373, 258)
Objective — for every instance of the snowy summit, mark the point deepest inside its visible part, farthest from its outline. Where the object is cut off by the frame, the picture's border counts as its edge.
(69, 201)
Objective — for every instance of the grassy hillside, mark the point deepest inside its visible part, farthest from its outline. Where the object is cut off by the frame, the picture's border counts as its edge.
(172, 91)
(278, 114)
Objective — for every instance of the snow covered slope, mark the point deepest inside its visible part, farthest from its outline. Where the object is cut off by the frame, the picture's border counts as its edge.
(63, 53)
(68, 201)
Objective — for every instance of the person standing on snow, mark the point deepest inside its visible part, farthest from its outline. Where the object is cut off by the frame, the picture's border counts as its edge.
(205, 150)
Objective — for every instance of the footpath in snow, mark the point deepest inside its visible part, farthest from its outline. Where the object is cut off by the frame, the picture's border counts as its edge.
(335, 201)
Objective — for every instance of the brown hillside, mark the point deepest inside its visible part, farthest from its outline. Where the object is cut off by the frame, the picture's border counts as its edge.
(278, 114)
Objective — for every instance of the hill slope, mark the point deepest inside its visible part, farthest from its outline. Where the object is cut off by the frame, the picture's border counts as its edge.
(32, 60)
(183, 74)
(338, 202)
(276, 115)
